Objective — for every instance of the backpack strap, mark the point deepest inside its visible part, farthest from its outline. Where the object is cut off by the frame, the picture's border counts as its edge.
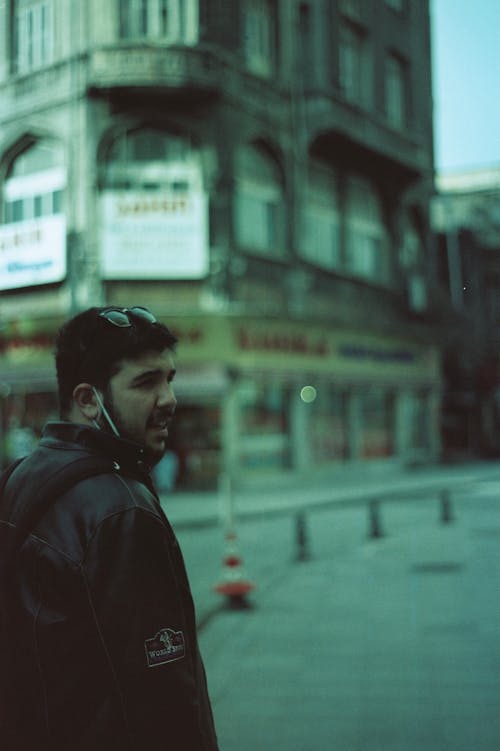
(47, 494)
(4, 477)
(55, 486)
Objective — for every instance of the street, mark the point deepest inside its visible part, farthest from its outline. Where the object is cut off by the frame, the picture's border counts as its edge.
(372, 644)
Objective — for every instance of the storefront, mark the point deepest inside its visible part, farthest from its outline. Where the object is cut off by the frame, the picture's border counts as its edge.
(265, 398)
(28, 395)
(294, 398)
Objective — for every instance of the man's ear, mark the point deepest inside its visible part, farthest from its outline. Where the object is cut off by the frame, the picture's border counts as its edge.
(85, 402)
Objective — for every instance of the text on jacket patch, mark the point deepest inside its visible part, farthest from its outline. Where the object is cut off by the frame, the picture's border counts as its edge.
(166, 646)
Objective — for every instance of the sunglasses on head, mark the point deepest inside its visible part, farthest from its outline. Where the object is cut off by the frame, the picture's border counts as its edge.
(122, 316)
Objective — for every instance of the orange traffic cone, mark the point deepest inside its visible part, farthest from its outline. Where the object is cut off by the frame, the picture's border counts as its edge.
(234, 584)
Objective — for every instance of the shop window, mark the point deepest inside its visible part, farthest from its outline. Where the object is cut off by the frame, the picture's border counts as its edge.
(355, 71)
(35, 183)
(320, 220)
(328, 428)
(265, 431)
(33, 35)
(419, 420)
(259, 36)
(367, 253)
(259, 203)
(395, 92)
(153, 197)
(377, 409)
(194, 450)
(172, 21)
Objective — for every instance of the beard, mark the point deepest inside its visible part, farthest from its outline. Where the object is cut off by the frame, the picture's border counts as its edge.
(113, 422)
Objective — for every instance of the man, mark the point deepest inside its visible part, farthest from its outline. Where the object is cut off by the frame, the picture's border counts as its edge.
(100, 638)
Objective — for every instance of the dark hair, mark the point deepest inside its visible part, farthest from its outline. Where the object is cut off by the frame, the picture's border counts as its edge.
(89, 349)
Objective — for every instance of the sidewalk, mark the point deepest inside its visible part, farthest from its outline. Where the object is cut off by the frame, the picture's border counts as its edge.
(202, 509)
(377, 645)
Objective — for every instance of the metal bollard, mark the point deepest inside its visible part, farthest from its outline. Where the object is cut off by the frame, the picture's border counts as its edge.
(445, 506)
(301, 537)
(375, 530)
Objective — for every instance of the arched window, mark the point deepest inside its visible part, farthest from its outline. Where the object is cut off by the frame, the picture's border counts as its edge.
(154, 216)
(35, 183)
(259, 203)
(320, 219)
(366, 241)
(150, 160)
(33, 233)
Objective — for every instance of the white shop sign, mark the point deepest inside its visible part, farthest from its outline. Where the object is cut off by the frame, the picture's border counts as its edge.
(33, 252)
(154, 235)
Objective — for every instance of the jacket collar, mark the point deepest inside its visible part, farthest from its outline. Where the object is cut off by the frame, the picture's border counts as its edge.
(126, 454)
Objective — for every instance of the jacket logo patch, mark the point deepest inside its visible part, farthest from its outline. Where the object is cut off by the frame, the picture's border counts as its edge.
(166, 646)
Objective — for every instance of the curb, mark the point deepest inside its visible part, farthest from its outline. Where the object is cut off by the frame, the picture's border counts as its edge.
(248, 506)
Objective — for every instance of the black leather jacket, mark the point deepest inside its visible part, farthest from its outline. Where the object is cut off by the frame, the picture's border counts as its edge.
(101, 641)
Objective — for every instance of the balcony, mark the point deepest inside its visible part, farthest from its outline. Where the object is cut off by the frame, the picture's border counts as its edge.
(175, 69)
(355, 134)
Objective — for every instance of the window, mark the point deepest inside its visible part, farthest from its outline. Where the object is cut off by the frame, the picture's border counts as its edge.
(34, 184)
(33, 232)
(354, 68)
(153, 197)
(147, 160)
(417, 292)
(259, 29)
(377, 409)
(265, 431)
(395, 92)
(328, 426)
(418, 420)
(320, 225)
(307, 43)
(411, 258)
(32, 35)
(259, 204)
(367, 242)
(168, 20)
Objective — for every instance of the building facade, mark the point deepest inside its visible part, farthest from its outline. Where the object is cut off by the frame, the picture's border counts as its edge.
(466, 220)
(259, 173)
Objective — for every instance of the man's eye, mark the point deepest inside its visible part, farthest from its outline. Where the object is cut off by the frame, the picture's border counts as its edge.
(145, 383)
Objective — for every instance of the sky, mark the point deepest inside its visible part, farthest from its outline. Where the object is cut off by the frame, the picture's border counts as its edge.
(466, 81)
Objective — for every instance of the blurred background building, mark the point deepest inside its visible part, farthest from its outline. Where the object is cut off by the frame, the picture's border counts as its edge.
(466, 220)
(257, 172)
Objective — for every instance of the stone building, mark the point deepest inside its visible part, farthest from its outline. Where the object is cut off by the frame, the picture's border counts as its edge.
(466, 221)
(259, 173)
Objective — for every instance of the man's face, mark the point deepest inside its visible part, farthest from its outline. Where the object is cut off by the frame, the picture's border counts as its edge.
(141, 400)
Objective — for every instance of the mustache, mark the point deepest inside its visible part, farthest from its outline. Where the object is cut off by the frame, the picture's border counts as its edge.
(163, 415)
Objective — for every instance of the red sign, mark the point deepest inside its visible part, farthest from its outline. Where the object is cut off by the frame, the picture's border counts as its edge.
(297, 344)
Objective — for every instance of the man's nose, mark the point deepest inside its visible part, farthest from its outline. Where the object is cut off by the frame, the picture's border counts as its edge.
(166, 396)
